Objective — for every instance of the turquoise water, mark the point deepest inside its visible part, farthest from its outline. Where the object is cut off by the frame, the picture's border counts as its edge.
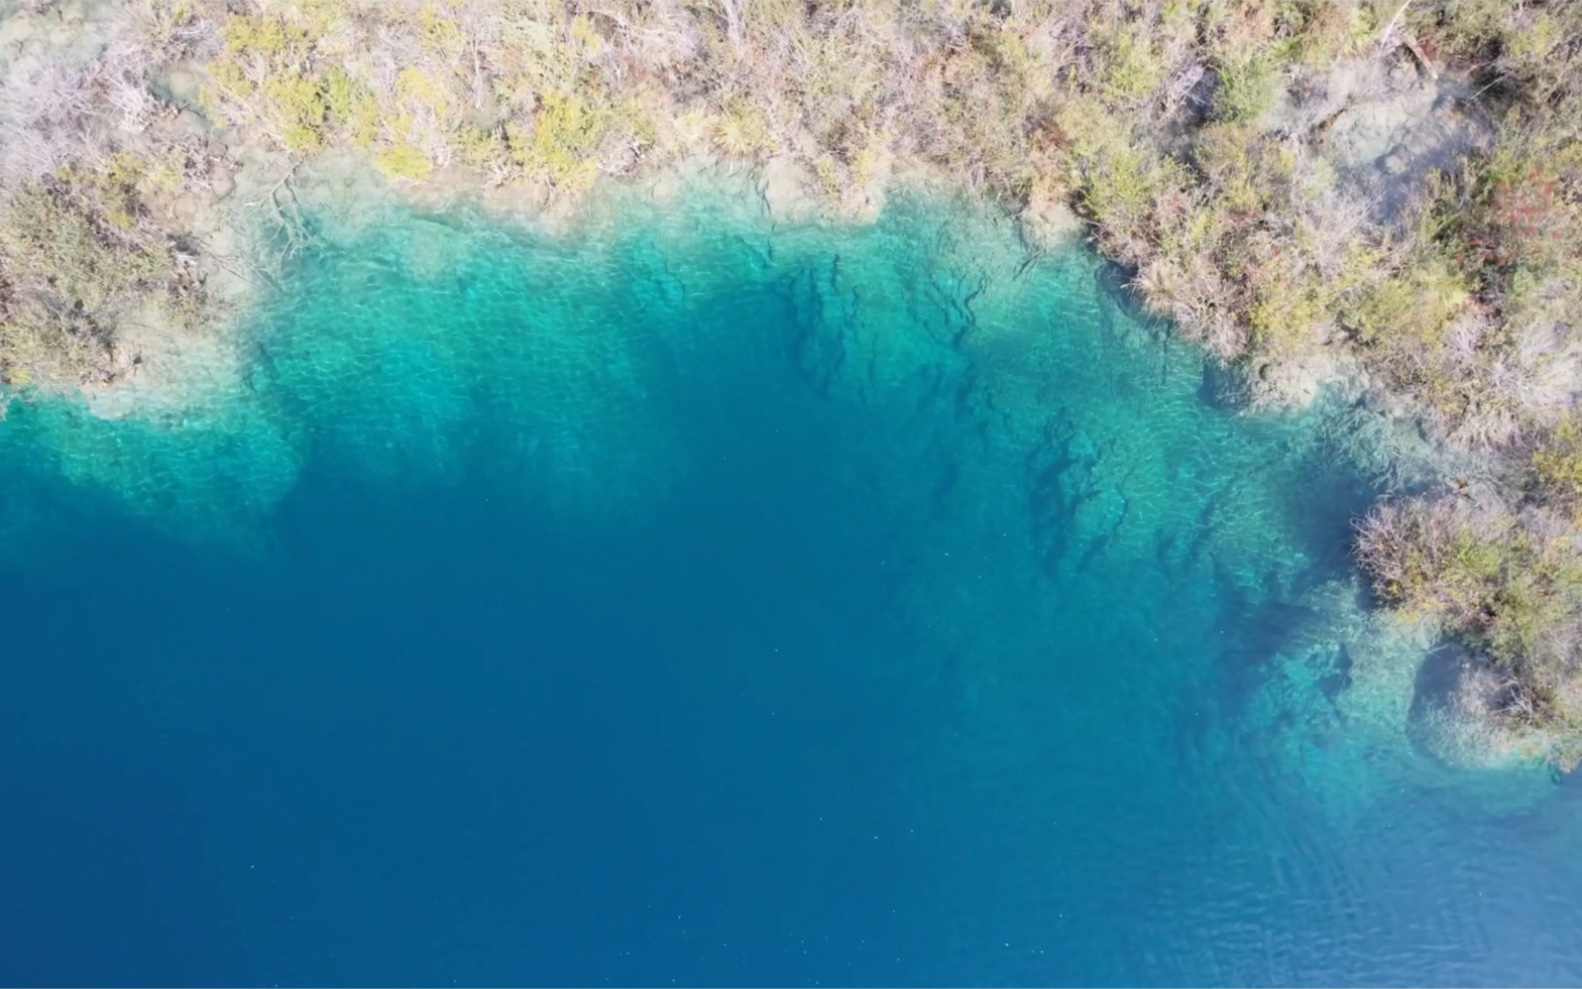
(679, 597)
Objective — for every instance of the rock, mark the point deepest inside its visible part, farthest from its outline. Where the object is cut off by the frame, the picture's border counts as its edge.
(190, 122)
(1048, 221)
(785, 186)
(1295, 383)
(665, 188)
(1456, 717)
(15, 31)
(222, 183)
(185, 208)
(182, 87)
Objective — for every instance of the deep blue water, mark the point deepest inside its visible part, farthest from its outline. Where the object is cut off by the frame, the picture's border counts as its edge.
(681, 599)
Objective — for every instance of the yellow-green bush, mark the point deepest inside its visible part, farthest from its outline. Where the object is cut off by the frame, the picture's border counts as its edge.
(403, 161)
(300, 104)
(72, 265)
(567, 131)
(50, 238)
(1411, 308)
(1511, 590)
(269, 36)
(742, 132)
(1121, 180)
(1534, 598)
(1134, 71)
(1558, 462)
(351, 108)
(40, 347)
(1248, 86)
(1289, 304)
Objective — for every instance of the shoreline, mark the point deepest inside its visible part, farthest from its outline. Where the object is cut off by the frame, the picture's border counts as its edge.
(324, 184)
(1270, 210)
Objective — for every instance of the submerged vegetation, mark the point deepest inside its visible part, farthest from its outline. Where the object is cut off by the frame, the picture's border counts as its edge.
(1380, 191)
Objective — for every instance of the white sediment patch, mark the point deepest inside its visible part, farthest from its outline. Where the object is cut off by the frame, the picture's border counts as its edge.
(1362, 706)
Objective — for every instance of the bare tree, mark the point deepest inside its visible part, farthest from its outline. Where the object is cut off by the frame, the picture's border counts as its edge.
(45, 118)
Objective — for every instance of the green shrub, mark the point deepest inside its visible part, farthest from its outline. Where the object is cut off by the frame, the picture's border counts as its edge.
(1229, 157)
(1411, 308)
(1290, 303)
(1121, 180)
(269, 36)
(41, 347)
(353, 109)
(1507, 588)
(1534, 601)
(299, 102)
(403, 161)
(52, 241)
(567, 131)
(742, 132)
(1248, 86)
(1134, 72)
(1558, 463)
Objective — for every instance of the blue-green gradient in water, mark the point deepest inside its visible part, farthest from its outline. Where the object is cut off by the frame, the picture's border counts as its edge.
(683, 599)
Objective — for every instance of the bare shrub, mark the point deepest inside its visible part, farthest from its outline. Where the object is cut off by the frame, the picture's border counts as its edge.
(1430, 556)
(47, 119)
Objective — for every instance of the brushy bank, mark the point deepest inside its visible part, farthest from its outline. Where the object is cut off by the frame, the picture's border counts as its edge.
(1379, 191)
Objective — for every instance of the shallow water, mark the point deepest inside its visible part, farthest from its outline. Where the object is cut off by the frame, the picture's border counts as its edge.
(682, 598)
